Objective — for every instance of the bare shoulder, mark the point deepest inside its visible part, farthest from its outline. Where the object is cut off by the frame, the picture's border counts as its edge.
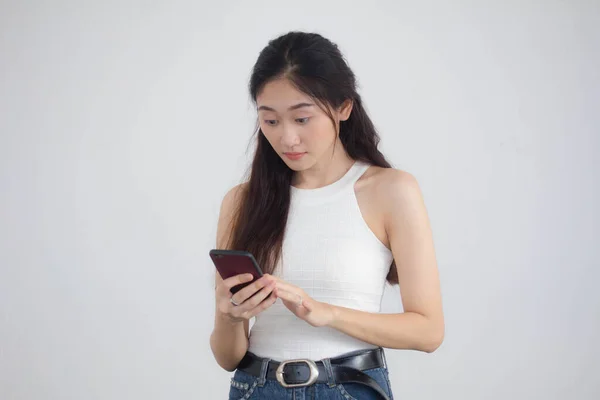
(229, 205)
(377, 192)
(399, 183)
(232, 197)
(390, 191)
(389, 182)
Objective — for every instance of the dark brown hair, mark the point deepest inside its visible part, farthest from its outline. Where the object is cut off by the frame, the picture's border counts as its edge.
(315, 66)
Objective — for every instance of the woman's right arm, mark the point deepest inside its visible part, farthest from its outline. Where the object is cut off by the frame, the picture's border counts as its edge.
(229, 339)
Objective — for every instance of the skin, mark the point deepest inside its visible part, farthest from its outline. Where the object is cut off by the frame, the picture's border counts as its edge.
(392, 206)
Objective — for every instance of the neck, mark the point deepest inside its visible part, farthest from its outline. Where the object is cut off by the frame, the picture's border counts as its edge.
(324, 171)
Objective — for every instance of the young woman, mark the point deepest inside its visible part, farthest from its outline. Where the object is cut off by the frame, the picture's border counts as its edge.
(330, 222)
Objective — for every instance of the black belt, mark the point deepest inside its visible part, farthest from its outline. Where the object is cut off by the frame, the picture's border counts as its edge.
(347, 368)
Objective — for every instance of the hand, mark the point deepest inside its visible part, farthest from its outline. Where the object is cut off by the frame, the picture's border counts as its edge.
(314, 312)
(252, 300)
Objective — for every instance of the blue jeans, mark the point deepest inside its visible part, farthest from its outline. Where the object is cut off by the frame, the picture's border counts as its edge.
(245, 386)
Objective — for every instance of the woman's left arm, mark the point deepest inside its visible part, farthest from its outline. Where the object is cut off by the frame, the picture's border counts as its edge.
(421, 325)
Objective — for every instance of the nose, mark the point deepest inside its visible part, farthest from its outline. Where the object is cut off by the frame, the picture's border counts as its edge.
(289, 137)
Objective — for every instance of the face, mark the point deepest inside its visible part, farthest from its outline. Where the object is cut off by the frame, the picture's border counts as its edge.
(297, 129)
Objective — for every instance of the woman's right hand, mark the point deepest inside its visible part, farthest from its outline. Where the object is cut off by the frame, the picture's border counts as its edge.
(250, 298)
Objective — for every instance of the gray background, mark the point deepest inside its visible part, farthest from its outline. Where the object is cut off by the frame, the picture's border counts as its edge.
(124, 123)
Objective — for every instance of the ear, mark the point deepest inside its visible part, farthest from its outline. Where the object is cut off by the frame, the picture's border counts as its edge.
(345, 110)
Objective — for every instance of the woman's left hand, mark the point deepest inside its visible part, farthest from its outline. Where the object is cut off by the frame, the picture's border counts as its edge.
(314, 312)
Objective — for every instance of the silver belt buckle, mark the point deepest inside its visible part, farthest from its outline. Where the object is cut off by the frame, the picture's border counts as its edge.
(312, 366)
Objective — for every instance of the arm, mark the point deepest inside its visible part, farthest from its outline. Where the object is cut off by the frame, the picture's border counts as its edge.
(421, 325)
(228, 341)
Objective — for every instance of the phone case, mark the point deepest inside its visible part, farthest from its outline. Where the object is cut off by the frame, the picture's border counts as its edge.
(234, 262)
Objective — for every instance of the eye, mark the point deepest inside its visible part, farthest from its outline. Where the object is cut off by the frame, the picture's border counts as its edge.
(305, 119)
(270, 122)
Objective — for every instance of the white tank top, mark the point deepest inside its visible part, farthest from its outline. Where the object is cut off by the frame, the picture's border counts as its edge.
(330, 252)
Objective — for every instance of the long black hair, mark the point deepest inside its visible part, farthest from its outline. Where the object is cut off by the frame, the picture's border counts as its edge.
(316, 67)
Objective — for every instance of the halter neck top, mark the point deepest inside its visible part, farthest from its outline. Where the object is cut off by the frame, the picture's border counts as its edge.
(331, 253)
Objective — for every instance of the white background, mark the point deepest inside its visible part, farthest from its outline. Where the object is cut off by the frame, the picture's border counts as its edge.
(124, 123)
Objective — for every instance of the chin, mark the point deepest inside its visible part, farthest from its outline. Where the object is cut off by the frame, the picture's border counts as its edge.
(295, 166)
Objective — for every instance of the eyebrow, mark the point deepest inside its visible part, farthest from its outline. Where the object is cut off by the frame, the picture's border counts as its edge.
(294, 107)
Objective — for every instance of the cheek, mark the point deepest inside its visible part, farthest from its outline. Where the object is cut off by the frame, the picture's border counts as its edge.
(321, 134)
(270, 134)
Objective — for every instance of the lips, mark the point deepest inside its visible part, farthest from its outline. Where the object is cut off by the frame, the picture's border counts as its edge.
(294, 156)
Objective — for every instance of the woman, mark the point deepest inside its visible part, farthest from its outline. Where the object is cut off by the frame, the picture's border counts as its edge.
(329, 222)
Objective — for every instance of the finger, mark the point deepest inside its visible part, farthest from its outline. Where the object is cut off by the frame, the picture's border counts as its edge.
(255, 300)
(262, 306)
(288, 287)
(247, 292)
(290, 297)
(295, 291)
(237, 279)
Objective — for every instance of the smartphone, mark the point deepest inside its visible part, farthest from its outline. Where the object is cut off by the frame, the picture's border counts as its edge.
(234, 262)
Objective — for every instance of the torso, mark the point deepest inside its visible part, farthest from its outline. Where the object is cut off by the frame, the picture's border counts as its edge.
(336, 249)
